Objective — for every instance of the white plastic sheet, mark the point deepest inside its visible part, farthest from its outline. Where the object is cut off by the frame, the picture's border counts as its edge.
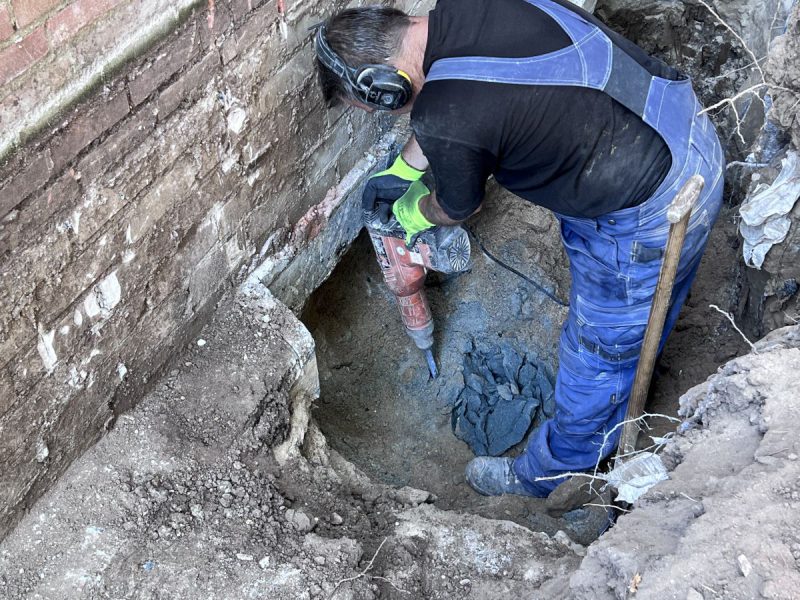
(765, 220)
(637, 475)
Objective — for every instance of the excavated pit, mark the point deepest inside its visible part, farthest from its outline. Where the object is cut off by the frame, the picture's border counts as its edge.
(378, 406)
(185, 492)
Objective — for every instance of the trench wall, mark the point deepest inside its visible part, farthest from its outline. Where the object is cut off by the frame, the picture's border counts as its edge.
(150, 153)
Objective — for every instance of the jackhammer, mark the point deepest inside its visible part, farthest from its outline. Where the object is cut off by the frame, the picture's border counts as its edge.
(443, 249)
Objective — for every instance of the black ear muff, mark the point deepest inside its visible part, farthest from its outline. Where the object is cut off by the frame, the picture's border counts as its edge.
(383, 87)
(379, 86)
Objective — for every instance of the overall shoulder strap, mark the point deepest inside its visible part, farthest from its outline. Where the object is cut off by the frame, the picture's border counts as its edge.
(591, 61)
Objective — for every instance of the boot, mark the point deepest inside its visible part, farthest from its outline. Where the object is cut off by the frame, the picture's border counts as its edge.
(492, 476)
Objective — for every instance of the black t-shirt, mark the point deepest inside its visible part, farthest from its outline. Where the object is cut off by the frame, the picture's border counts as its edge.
(571, 149)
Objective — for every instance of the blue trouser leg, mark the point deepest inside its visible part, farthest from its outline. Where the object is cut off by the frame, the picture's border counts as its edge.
(612, 291)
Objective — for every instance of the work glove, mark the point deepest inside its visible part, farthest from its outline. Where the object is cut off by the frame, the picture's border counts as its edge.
(384, 188)
(406, 211)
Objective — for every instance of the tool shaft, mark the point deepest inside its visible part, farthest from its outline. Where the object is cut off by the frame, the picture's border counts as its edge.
(680, 210)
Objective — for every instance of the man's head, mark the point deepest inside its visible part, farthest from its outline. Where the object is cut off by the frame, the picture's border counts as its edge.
(367, 40)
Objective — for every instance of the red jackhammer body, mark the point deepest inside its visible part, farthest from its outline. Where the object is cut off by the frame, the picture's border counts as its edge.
(442, 249)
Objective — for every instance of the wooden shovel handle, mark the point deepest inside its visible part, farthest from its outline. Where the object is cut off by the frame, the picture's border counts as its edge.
(678, 215)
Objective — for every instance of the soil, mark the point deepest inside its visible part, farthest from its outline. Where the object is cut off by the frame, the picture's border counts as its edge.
(726, 523)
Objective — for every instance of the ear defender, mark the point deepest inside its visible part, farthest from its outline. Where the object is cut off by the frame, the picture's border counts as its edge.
(381, 87)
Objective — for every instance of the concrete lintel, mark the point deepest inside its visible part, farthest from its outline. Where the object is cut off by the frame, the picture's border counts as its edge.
(320, 237)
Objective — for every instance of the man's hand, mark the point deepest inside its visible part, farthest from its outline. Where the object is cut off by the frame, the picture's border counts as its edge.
(407, 211)
(384, 188)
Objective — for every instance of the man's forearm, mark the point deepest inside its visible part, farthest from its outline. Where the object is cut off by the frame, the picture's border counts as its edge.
(428, 205)
(413, 155)
(430, 209)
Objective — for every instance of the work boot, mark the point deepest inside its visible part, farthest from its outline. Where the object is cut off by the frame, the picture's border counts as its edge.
(492, 476)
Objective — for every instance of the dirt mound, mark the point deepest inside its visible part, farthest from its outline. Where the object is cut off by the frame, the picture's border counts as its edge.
(202, 491)
(726, 524)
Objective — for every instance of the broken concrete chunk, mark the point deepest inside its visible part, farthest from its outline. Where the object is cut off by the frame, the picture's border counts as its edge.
(300, 520)
(412, 496)
(745, 568)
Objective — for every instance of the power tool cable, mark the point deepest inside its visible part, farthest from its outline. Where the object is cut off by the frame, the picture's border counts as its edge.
(508, 267)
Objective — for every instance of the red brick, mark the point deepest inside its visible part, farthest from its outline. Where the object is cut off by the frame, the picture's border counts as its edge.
(27, 11)
(6, 27)
(17, 58)
(86, 128)
(27, 180)
(75, 17)
(178, 52)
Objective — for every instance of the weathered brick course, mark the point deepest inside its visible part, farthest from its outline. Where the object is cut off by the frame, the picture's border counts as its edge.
(87, 127)
(6, 26)
(17, 58)
(27, 180)
(178, 52)
(191, 86)
(255, 31)
(28, 11)
(214, 26)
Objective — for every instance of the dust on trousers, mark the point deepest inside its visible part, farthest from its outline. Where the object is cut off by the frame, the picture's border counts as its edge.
(614, 259)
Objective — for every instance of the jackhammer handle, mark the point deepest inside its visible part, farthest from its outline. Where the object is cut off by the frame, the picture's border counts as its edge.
(678, 215)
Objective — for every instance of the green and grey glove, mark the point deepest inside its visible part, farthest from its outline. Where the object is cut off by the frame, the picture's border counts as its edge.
(406, 211)
(384, 188)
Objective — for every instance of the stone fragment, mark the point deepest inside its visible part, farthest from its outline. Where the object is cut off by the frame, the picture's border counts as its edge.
(299, 519)
(745, 568)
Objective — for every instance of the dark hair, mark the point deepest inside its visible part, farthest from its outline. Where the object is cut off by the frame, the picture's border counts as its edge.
(360, 36)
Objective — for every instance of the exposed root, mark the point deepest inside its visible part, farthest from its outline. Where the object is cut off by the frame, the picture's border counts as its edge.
(728, 316)
(364, 574)
(753, 90)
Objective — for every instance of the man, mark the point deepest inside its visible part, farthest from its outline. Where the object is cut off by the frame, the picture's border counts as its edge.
(570, 116)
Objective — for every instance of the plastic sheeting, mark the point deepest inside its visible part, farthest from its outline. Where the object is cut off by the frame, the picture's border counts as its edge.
(637, 475)
(765, 221)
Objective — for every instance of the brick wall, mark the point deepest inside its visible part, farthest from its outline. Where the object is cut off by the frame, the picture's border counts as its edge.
(145, 187)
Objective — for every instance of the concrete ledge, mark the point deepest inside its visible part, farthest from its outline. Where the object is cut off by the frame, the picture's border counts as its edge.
(323, 234)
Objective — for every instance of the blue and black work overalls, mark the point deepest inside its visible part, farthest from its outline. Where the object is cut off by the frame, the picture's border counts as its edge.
(615, 258)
